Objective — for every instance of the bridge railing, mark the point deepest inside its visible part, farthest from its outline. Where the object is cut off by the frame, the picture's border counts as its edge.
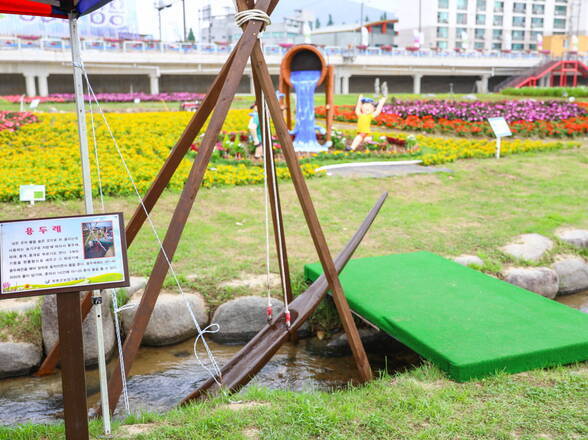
(114, 45)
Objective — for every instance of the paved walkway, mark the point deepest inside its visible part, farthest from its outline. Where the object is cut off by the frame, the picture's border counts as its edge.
(381, 170)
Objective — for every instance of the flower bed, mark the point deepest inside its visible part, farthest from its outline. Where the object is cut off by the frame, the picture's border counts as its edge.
(112, 97)
(480, 111)
(571, 127)
(435, 150)
(12, 121)
(47, 153)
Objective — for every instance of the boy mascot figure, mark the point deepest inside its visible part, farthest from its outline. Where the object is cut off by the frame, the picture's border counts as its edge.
(366, 111)
(254, 128)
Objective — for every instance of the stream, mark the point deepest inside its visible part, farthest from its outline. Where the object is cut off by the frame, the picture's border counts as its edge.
(162, 376)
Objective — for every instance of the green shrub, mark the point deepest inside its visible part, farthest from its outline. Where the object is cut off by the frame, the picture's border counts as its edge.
(557, 92)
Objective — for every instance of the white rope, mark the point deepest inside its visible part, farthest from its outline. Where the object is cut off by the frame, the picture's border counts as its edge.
(266, 204)
(96, 156)
(268, 148)
(252, 14)
(119, 344)
(115, 308)
(214, 372)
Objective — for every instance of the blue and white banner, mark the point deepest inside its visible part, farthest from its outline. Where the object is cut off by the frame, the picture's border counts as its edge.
(117, 17)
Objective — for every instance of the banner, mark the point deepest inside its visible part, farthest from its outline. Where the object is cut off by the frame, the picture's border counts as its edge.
(119, 16)
(62, 254)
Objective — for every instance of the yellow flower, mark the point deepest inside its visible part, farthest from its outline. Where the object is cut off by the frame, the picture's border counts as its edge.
(47, 153)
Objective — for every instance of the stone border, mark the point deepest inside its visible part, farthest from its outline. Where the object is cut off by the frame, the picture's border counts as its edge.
(367, 164)
(567, 274)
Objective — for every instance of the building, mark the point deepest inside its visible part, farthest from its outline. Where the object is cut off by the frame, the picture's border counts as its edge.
(216, 23)
(287, 29)
(380, 33)
(508, 25)
(578, 17)
(559, 45)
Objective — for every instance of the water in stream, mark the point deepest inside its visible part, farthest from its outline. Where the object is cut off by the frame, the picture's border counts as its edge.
(161, 377)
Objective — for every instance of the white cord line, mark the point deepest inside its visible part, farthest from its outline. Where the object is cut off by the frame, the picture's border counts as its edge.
(115, 307)
(252, 14)
(117, 310)
(96, 155)
(266, 204)
(268, 138)
(215, 372)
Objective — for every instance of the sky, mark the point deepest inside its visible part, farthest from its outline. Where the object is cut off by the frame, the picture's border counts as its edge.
(172, 17)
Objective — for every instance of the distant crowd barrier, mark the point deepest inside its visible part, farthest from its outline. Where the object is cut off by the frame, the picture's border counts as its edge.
(113, 45)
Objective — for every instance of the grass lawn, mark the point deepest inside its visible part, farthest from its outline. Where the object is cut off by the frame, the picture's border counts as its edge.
(420, 404)
(475, 209)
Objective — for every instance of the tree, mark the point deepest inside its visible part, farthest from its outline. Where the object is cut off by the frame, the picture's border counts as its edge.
(191, 36)
(330, 22)
(384, 16)
(317, 23)
(367, 19)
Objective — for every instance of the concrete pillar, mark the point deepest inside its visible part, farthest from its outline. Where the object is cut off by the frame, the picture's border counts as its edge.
(416, 83)
(154, 83)
(483, 84)
(345, 84)
(43, 84)
(338, 79)
(30, 84)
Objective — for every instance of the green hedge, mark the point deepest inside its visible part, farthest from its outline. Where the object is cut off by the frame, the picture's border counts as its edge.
(559, 92)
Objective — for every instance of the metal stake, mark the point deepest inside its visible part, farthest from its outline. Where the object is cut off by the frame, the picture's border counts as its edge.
(87, 178)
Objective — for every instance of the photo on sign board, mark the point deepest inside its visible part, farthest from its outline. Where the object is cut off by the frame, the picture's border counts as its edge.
(98, 240)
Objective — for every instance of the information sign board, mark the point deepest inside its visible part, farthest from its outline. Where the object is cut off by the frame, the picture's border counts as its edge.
(500, 127)
(64, 254)
(32, 193)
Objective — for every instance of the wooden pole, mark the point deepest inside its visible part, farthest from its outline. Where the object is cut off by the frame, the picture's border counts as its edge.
(182, 211)
(50, 363)
(258, 351)
(329, 91)
(274, 199)
(183, 145)
(261, 71)
(159, 184)
(287, 105)
(73, 376)
(178, 152)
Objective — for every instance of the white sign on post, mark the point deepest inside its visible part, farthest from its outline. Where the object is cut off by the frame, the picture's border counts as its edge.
(32, 193)
(67, 254)
(501, 129)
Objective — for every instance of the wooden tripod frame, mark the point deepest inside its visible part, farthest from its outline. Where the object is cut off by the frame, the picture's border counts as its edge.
(218, 101)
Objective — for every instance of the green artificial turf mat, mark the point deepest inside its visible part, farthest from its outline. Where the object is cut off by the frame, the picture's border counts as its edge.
(467, 323)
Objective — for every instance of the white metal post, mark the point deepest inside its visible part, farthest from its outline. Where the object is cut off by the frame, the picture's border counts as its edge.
(87, 178)
(498, 142)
